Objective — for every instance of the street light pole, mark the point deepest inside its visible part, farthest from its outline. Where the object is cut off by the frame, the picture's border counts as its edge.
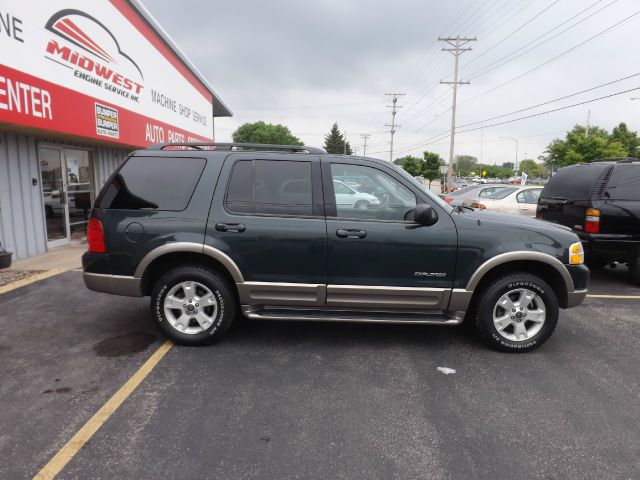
(515, 165)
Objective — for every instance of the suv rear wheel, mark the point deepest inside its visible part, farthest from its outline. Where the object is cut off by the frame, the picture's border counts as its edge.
(192, 305)
(517, 313)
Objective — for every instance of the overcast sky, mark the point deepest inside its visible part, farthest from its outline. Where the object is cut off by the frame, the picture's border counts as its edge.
(307, 64)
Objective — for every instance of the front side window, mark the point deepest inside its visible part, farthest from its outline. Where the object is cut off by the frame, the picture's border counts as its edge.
(378, 196)
(154, 183)
(274, 187)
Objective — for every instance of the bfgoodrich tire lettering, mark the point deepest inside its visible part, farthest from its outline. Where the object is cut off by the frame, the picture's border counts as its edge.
(218, 316)
(517, 313)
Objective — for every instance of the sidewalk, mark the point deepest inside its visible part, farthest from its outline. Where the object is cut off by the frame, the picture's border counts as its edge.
(67, 258)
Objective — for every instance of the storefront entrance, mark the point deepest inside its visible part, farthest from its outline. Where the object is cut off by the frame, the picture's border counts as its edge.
(67, 192)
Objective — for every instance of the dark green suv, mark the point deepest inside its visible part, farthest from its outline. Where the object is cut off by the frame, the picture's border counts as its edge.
(212, 231)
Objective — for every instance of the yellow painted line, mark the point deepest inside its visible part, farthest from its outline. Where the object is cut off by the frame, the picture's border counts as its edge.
(28, 281)
(622, 297)
(73, 446)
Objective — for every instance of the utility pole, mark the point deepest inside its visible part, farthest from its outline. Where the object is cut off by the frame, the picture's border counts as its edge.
(394, 106)
(365, 137)
(588, 121)
(457, 48)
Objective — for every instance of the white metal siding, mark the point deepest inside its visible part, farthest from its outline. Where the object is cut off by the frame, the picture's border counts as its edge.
(22, 227)
(22, 221)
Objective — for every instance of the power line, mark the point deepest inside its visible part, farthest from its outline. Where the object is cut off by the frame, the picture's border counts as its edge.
(513, 32)
(431, 140)
(593, 37)
(553, 100)
(487, 68)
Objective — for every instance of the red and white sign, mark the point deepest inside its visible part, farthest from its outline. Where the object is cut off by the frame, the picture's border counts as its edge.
(96, 70)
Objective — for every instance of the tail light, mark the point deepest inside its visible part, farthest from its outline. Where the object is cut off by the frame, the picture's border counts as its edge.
(448, 199)
(592, 221)
(95, 236)
(478, 205)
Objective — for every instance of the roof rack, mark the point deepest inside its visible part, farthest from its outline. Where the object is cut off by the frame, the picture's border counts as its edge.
(628, 160)
(236, 146)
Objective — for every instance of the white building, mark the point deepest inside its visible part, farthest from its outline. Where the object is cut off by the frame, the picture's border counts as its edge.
(81, 85)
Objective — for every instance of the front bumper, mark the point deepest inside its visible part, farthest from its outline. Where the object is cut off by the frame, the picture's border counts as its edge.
(114, 284)
(580, 276)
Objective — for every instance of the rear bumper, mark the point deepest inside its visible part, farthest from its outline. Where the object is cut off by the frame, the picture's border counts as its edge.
(608, 245)
(114, 284)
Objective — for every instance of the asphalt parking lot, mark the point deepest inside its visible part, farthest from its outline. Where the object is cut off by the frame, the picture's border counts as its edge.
(301, 400)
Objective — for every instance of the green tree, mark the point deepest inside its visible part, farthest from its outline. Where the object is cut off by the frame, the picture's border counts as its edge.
(465, 164)
(413, 165)
(577, 147)
(260, 132)
(431, 166)
(628, 138)
(334, 142)
(531, 168)
(508, 165)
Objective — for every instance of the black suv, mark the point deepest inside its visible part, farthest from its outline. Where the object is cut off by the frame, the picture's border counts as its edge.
(212, 230)
(600, 201)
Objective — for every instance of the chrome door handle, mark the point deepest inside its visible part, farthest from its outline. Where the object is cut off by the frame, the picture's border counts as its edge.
(230, 227)
(350, 233)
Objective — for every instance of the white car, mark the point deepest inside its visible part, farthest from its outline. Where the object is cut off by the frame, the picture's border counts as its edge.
(521, 200)
(349, 197)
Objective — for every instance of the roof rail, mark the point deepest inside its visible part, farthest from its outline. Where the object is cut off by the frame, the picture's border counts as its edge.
(236, 146)
(629, 160)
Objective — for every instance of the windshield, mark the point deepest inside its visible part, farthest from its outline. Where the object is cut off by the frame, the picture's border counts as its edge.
(502, 193)
(423, 188)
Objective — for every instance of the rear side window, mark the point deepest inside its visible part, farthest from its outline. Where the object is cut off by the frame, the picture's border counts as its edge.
(273, 187)
(502, 193)
(156, 183)
(624, 183)
(574, 182)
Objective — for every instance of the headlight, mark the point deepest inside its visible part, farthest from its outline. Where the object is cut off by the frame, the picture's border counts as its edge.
(576, 254)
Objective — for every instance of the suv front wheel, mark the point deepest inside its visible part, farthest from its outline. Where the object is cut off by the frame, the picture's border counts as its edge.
(517, 313)
(192, 305)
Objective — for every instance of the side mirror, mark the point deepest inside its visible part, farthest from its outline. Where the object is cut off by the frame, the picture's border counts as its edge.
(425, 215)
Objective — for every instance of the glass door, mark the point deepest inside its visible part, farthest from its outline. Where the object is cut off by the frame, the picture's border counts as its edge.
(80, 191)
(67, 192)
(53, 195)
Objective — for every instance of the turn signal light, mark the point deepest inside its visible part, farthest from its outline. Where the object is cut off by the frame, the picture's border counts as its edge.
(592, 221)
(576, 254)
(95, 236)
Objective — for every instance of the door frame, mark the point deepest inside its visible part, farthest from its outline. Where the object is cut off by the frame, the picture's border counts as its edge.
(61, 148)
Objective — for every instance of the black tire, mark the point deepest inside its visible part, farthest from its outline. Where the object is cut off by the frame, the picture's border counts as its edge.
(217, 284)
(48, 209)
(488, 302)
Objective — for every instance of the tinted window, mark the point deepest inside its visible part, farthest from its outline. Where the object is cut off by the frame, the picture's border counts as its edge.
(462, 191)
(378, 196)
(275, 187)
(574, 182)
(624, 183)
(158, 183)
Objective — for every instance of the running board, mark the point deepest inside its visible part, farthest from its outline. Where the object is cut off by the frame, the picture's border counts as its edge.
(363, 316)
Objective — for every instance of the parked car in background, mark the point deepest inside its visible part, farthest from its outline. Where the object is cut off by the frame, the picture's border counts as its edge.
(347, 196)
(521, 200)
(471, 192)
(600, 201)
